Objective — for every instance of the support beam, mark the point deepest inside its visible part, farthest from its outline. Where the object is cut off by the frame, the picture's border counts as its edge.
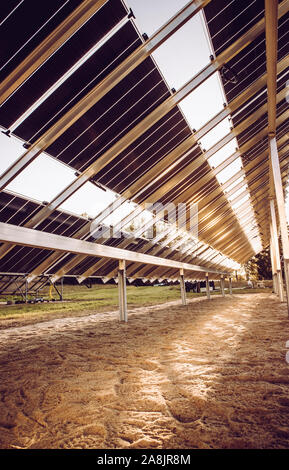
(222, 284)
(230, 286)
(158, 250)
(62, 289)
(90, 271)
(78, 259)
(208, 287)
(44, 240)
(276, 268)
(122, 291)
(123, 244)
(26, 290)
(273, 264)
(271, 29)
(83, 234)
(183, 287)
(274, 159)
(156, 247)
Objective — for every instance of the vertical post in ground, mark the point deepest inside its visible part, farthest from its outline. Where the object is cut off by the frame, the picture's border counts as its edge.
(222, 286)
(26, 290)
(276, 267)
(183, 287)
(61, 292)
(275, 165)
(230, 286)
(273, 264)
(122, 291)
(208, 286)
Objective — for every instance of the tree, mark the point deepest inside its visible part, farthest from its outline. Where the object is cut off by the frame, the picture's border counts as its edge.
(259, 267)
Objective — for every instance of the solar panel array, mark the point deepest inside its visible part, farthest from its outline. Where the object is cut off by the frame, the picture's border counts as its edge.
(153, 167)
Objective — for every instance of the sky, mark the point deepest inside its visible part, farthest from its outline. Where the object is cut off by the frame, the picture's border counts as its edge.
(179, 58)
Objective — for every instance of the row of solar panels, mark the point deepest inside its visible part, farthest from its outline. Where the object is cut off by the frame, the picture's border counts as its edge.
(23, 260)
(130, 101)
(226, 22)
(106, 122)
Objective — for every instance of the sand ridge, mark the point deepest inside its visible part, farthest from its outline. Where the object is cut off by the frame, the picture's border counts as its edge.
(209, 375)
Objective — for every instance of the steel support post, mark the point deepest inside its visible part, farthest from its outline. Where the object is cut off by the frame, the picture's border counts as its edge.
(208, 286)
(61, 294)
(279, 282)
(122, 291)
(274, 246)
(222, 282)
(273, 266)
(275, 283)
(183, 287)
(230, 286)
(26, 290)
(274, 159)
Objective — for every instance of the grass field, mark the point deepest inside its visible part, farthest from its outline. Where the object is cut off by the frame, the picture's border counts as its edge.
(80, 299)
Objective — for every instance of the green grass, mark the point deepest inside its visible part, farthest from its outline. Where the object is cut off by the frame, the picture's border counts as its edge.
(80, 299)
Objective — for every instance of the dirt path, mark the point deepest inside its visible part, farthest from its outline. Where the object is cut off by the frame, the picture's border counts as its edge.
(209, 375)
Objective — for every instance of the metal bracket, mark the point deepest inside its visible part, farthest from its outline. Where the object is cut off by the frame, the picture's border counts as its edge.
(131, 14)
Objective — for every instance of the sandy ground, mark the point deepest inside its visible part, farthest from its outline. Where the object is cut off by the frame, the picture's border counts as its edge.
(209, 375)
